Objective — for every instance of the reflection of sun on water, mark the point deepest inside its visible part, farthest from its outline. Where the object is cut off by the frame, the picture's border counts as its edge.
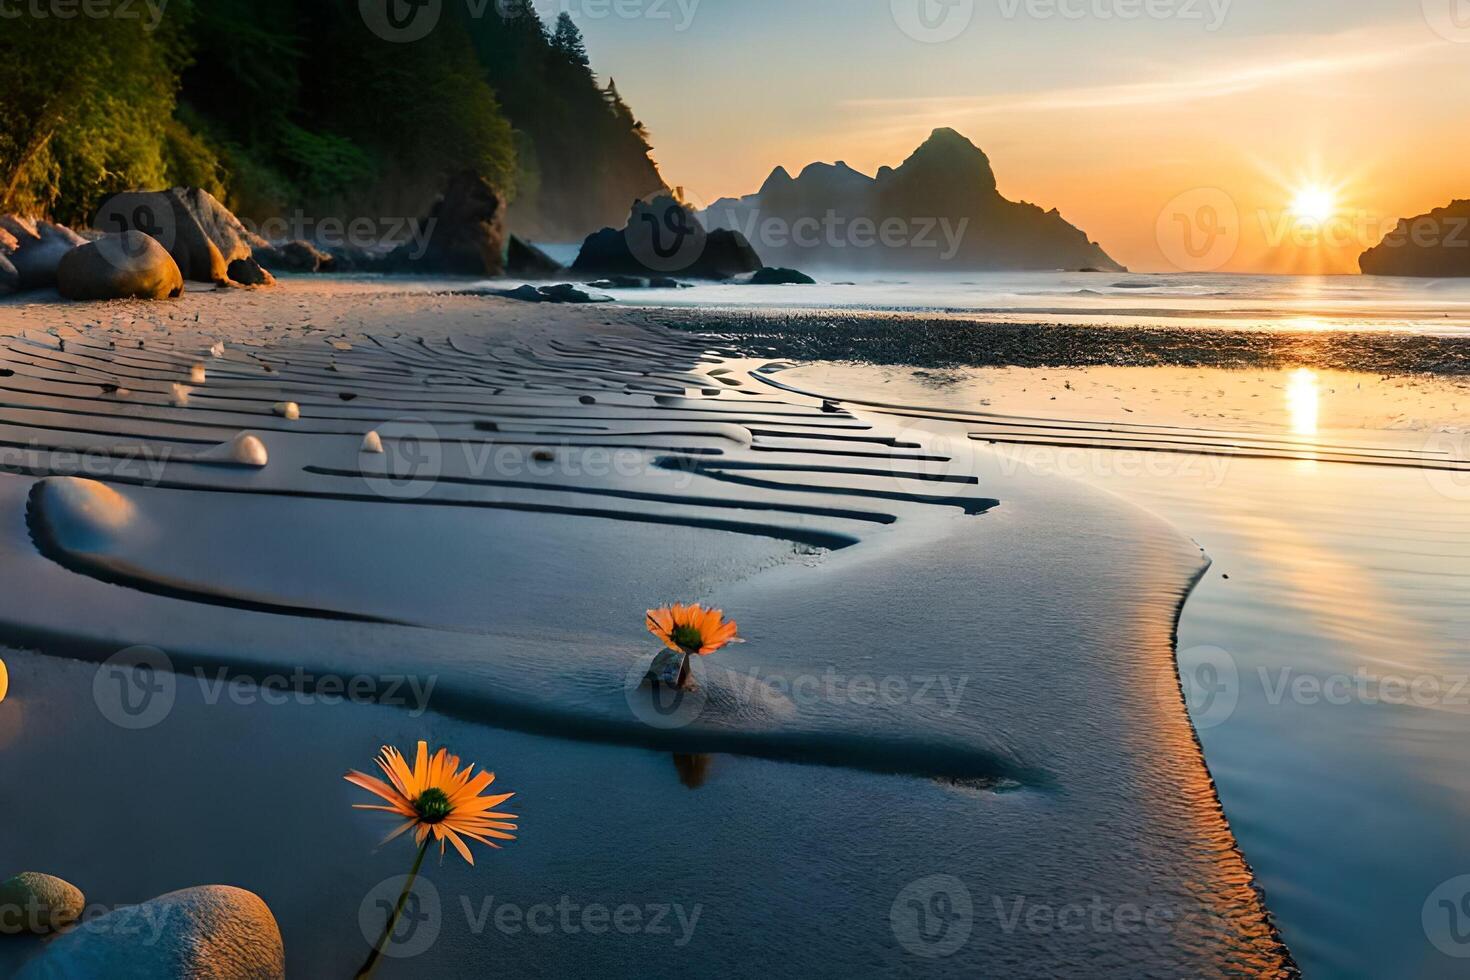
(1303, 401)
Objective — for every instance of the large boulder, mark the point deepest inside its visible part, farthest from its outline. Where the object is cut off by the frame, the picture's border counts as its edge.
(33, 249)
(466, 233)
(213, 931)
(130, 265)
(1433, 245)
(664, 237)
(199, 232)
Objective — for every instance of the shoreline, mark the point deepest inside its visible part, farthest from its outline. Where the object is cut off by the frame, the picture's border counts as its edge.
(918, 340)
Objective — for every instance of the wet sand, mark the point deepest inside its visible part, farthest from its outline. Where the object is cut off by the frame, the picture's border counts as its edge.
(949, 691)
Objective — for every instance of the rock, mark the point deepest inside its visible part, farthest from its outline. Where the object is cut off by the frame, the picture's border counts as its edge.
(198, 374)
(940, 209)
(178, 395)
(213, 931)
(526, 294)
(620, 282)
(770, 276)
(356, 258)
(664, 237)
(217, 349)
(372, 443)
(199, 232)
(1433, 245)
(9, 278)
(38, 903)
(245, 449)
(290, 411)
(466, 233)
(129, 265)
(34, 249)
(563, 292)
(248, 272)
(525, 261)
(77, 514)
(296, 256)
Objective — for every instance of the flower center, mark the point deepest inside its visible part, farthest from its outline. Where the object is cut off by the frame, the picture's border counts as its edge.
(687, 637)
(432, 806)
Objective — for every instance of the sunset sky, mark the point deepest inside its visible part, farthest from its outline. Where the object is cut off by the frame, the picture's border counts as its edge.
(1135, 127)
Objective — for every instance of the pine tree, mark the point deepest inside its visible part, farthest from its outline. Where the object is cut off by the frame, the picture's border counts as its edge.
(567, 41)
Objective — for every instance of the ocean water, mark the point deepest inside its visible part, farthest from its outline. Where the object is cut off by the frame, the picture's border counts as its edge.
(1436, 307)
(1325, 656)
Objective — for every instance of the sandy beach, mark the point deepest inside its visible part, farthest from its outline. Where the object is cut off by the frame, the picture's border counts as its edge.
(947, 694)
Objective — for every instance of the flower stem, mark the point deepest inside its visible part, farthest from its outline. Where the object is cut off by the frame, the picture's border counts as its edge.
(683, 681)
(377, 953)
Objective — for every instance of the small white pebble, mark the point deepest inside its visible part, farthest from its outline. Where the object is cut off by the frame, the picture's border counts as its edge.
(218, 350)
(372, 443)
(179, 395)
(287, 410)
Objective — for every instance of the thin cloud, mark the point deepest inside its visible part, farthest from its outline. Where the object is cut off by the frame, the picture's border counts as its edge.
(1162, 92)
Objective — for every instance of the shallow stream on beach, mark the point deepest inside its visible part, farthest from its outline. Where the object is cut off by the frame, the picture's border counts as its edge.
(1326, 654)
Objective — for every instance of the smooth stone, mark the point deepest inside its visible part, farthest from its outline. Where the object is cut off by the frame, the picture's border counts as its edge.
(372, 443)
(78, 514)
(245, 449)
(214, 931)
(290, 411)
(179, 395)
(130, 265)
(38, 903)
(773, 276)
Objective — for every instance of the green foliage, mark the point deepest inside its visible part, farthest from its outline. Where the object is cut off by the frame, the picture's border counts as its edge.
(277, 105)
(86, 106)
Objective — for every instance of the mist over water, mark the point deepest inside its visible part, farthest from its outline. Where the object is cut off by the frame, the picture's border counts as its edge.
(1430, 307)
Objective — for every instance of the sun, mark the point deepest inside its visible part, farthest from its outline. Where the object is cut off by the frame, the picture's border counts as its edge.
(1313, 204)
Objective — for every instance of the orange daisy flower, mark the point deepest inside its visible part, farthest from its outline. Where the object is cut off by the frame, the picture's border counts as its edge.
(438, 798)
(692, 629)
